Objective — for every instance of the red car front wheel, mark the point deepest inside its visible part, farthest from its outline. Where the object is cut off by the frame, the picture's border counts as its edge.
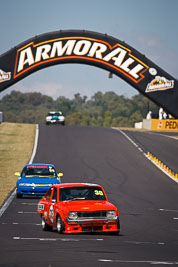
(60, 225)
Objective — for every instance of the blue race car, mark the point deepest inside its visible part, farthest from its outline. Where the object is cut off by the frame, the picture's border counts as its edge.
(36, 179)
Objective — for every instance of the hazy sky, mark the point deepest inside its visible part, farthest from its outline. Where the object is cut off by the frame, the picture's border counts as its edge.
(150, 26)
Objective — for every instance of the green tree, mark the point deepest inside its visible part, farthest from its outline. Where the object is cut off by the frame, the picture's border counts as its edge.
(108, 109)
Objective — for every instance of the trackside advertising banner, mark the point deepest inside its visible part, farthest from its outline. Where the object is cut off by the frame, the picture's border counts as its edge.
(164, 125)
(100, 50)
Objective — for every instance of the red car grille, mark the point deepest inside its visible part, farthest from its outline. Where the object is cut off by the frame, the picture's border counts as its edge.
(92, 214)
(92, 228)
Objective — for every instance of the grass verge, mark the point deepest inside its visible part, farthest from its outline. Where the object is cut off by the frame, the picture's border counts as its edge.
(16, 145)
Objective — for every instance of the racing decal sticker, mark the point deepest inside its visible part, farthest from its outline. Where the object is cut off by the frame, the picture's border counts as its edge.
(160, 124)
(36, 167)
(153, 71)
(98, 192)
(159, 84)
(4, 76)
(41, 206)
(51, 170)
(51, 213)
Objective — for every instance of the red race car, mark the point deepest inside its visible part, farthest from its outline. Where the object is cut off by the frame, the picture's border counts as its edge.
(78, 208)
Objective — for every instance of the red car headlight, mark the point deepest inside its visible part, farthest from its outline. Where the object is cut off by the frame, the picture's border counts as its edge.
(111, 214)
(73, 215)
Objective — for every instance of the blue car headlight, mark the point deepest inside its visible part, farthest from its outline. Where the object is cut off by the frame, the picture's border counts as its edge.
(25, 184)
(29, 184)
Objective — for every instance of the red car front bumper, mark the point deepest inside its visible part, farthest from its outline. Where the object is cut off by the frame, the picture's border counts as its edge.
(92, 225)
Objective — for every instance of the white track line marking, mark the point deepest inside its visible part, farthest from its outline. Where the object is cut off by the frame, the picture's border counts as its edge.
(123, 133)
(168, 210)
(18, 223)
(35, 144)
(27, 212)
(7, 203)
(169, 136)
(56, 239)
(128, 138)
(11, 197)
(175, 180)
(144, 243)
(29, 204)
(134, 261)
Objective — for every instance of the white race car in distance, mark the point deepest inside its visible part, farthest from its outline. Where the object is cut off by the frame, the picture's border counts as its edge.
(55, 117)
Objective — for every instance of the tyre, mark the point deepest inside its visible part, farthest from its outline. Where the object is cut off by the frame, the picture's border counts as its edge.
(114, 233)
(60, 225)
(18, 195)
(45, 226)
(118, 224)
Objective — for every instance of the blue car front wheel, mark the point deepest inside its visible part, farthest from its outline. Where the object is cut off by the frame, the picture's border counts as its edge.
(18, 195)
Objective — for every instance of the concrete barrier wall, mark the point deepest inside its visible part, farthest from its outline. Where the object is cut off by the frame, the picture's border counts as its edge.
(147, 124)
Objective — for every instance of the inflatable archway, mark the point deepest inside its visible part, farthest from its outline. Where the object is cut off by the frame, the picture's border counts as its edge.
(100, 50)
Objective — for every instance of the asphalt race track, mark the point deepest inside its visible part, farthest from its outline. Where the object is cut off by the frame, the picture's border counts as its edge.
(146, 197)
